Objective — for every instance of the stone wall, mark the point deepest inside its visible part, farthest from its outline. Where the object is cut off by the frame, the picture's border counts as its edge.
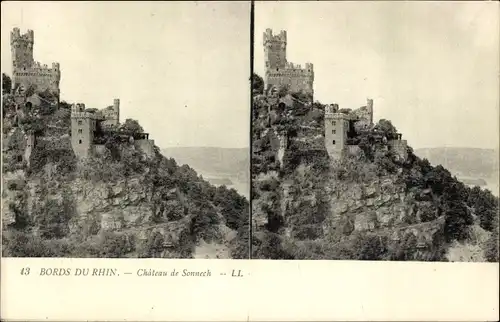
(297, 80)
(146, 146)
(30, 144)
(400, 148)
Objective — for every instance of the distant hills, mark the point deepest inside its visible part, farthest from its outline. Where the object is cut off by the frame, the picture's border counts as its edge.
(229, 166)
(464, 162)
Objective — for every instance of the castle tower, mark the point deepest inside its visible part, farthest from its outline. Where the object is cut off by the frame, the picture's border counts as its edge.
(369, 107)
(83, 126)
(21, 48)
(27, 72)
(280, 72)
(274, 50)
(116, 108)
(336, 127)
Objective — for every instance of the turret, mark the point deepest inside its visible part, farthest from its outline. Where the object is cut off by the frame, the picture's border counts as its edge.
(369, 107)
(116, 108)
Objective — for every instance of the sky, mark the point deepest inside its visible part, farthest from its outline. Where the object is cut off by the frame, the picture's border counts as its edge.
(181, 69)
(432, 68)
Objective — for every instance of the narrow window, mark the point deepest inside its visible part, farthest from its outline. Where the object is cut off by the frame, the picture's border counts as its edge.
(334, 131)
(79, 141)
(79, 122)
(333, 141)
(80, 131)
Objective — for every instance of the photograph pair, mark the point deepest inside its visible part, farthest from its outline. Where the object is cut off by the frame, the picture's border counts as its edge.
(250, 130)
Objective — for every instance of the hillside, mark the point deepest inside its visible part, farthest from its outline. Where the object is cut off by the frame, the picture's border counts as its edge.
(227, 166)
(119, 203)
(369, 205)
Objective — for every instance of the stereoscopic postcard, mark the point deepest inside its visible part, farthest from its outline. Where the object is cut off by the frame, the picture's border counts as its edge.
(250, 160)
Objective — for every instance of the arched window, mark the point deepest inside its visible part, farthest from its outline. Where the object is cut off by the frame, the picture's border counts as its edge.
(333, 141)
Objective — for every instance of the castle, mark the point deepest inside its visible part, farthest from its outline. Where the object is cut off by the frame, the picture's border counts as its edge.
(342, 129)
(89, 127)
(279, 72)
(25, 71)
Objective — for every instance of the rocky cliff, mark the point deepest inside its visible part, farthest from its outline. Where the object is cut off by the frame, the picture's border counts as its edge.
(120, 203)
(370, 205)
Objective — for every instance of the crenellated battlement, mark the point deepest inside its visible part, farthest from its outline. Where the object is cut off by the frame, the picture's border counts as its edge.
(269, 37)
(16, 36)
(330, 110)
(28, 72)
(281, 72)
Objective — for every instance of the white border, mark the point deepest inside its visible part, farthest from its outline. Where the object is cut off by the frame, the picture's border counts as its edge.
(268, 291)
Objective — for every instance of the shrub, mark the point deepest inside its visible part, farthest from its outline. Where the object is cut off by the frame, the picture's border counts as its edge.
(115, 245)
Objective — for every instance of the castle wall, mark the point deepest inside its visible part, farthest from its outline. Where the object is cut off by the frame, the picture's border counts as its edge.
(43, 78)
(34, 100)
(287, 100)
(147, 146)
(296, 79)
(111, 114)
(30, 145)
(400, 148)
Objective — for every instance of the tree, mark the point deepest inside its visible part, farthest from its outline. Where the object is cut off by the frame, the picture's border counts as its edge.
(132, 125)
(257, 84)
(386, 127)
(6, 84)
(458, 218)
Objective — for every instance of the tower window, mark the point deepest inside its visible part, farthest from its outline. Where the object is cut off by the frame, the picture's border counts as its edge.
(80, 131)
(333, 141)
(79, 122)
(334, 123)
(334, 131)
(80, 141)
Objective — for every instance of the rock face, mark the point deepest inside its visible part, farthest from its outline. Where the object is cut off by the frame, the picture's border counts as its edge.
(371, 204)
(130, 208)
(116, 203)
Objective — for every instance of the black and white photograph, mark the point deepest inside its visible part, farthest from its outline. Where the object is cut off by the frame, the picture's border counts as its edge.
(126, 129)
(375, 131)
(250, 160)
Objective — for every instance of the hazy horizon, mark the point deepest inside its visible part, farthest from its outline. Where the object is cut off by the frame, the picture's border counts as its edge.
(431, 67)
(180, 68)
